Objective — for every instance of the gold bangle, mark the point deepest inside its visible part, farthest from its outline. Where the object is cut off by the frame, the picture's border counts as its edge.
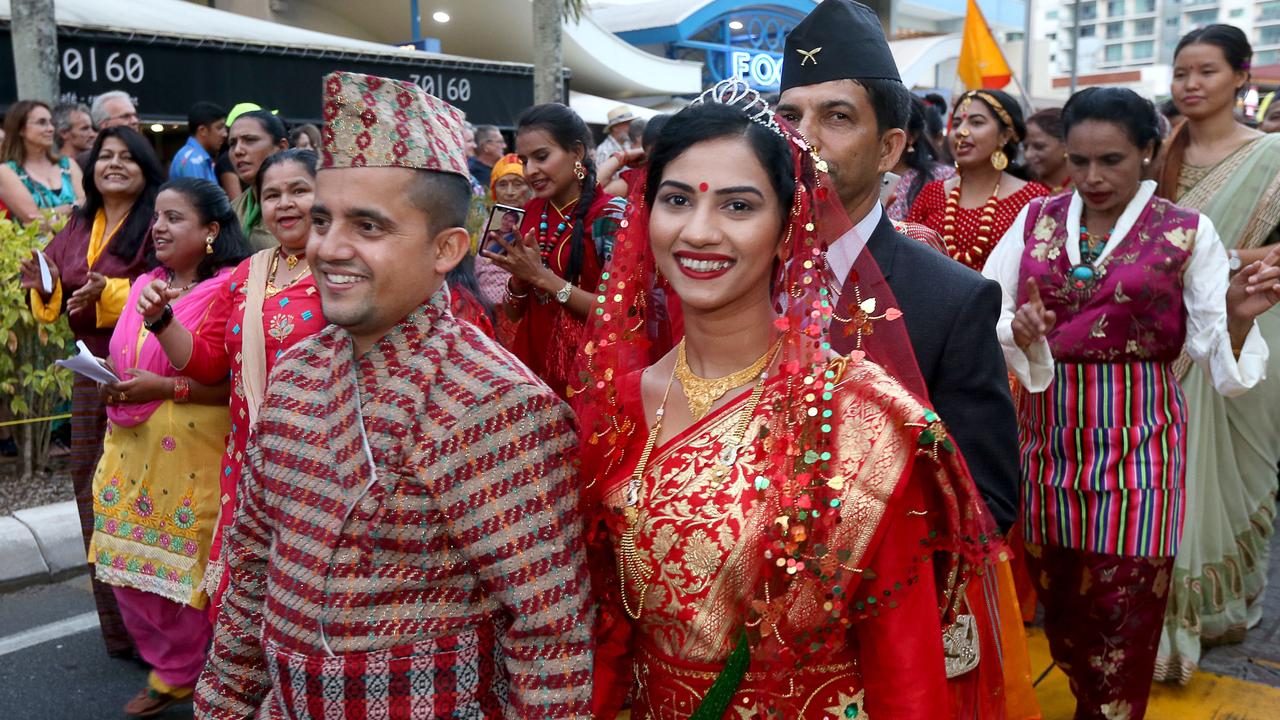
(512, 295)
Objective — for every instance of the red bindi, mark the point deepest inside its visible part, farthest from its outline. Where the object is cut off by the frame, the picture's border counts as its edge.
(703, 187)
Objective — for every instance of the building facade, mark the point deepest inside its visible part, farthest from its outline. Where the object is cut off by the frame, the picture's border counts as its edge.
(1135, 39)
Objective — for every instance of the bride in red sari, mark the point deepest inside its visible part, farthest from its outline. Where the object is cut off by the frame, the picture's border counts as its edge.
(778, 531)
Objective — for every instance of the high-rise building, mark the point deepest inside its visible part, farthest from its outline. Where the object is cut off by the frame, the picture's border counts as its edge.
(1132, 41)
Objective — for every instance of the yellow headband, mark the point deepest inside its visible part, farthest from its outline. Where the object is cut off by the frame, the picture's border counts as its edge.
(996, 107)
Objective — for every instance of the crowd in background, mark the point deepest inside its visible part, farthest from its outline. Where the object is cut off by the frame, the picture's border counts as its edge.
(1174, 507)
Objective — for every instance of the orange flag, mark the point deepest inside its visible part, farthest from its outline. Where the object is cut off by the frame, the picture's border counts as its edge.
(982, 65)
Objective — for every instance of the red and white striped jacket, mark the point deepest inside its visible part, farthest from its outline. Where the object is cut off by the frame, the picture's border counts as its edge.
(436, 570)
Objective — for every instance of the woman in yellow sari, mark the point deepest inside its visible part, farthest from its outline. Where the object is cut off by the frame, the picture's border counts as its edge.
(1230, 173)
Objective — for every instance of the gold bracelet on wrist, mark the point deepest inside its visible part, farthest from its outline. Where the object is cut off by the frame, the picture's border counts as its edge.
(513, 295)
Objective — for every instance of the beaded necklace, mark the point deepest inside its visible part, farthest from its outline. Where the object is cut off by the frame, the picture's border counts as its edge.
(981, 244)
(547, 243)
(1084, 274)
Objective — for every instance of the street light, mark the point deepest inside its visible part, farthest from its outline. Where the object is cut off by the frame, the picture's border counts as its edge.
(440, 16)
(735, 25)
(157, 128)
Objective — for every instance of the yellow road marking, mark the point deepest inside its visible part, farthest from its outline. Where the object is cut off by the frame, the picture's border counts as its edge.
(1207, 697)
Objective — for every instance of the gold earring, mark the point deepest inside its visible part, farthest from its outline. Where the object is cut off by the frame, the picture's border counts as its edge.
(579, 170)
(208, 245)
(999, 160)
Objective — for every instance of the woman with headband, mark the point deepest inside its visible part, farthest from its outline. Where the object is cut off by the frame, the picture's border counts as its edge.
(973, 210)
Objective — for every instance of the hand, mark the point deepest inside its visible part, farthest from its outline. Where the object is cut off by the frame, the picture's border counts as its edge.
(633, 157)
(31, 273)
(153, 299)
(522, 259)
(140, 386)
(86, 296)
(1032, 322)
(1255, 289)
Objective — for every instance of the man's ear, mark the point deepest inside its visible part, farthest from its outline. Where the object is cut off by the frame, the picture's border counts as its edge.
(892, 144)
(451, 245)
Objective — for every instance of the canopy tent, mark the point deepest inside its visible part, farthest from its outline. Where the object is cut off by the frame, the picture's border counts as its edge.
(595, 109)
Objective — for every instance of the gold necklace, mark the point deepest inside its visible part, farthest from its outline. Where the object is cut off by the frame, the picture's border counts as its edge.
(629, 562)
(701, 393)
(292, 260)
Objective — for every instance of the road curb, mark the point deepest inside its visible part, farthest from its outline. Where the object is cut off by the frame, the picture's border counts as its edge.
(40, 544)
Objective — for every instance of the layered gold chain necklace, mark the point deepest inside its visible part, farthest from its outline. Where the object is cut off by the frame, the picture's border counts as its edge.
(631, 567)
(701, 393)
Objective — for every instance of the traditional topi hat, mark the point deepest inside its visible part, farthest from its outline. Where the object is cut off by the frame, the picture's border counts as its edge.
(839, 40)
(372, 121)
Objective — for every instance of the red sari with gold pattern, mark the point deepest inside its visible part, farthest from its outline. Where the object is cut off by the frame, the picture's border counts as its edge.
(707, 549)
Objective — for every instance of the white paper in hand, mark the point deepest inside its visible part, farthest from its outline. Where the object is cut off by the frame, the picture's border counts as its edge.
(89, 366)
(46, 279)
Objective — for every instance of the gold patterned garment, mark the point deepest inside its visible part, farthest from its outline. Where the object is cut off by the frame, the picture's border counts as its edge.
(705, 545)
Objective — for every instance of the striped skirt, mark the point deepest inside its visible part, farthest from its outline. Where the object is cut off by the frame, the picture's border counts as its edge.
(1103, 452)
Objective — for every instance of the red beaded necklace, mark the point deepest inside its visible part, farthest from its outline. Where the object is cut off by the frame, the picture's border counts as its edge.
(982, 244)
(547, 242)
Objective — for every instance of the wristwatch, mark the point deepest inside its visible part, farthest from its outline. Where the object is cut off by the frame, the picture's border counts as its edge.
(160, 323)
(564, 293)
(1233, 260)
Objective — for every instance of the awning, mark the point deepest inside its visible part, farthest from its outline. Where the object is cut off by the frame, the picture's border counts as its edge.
(602, 63)
(595, 109)
(147, 48)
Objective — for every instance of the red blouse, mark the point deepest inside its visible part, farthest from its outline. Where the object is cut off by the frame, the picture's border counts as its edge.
(930, 209)
(288, 317)
(548, 336)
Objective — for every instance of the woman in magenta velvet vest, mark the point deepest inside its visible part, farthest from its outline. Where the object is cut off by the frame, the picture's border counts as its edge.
(1105, 291)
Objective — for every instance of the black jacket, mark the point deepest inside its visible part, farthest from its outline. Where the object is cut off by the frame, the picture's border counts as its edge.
(951, 314)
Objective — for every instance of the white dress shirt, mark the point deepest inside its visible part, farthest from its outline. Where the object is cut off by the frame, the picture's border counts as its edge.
(1204, 294)
(845, 250)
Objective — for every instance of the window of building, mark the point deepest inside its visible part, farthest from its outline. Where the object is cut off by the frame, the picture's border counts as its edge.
(1236, 12)
(1269, 35)
(1051, 15)
(1171, 22)
(1051, 36)
(1269, 10)
(1089, 10)
(1144, 50)
(1088, 30)
(1115, 53)
(1115, 8)
(1269, 57)
(1145, 6)
(1200, 18)
(1115, 30)
(1143, 28)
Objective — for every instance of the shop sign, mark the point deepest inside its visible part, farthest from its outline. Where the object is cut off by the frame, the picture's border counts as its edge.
(761, 70)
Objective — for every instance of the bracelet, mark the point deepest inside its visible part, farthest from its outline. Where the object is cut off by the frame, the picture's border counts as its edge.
(182, 389)
(513, 295)
(159, 324)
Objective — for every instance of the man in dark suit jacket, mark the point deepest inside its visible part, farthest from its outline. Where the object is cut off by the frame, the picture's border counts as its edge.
(840, 87)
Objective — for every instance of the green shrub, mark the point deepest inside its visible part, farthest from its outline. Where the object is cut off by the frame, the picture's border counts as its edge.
(31, 385)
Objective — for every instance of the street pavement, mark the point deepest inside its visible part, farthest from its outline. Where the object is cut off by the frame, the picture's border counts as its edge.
(53, 666)
(52, 663)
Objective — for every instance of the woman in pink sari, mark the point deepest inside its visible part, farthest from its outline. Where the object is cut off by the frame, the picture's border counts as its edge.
(267, 304)
(155, 489)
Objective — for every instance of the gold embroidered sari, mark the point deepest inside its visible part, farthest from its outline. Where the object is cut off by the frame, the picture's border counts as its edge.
(706, 546)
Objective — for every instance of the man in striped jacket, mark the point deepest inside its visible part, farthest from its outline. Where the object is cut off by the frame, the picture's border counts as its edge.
(408, 544)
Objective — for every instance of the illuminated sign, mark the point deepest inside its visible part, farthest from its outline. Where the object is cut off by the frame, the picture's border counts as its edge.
(759, 69)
